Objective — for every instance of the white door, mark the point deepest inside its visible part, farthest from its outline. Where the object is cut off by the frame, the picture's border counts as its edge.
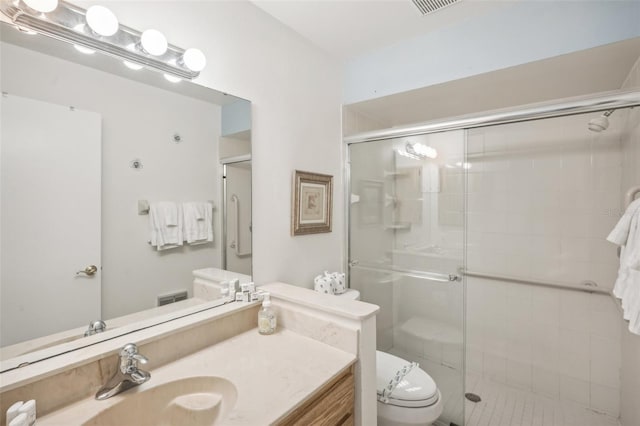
(50, 218)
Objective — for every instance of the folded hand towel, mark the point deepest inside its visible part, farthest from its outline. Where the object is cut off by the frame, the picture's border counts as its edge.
(165, 225)
(198, 226)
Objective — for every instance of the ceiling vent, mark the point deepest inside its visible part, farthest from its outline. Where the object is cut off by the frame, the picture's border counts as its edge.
(428, 6)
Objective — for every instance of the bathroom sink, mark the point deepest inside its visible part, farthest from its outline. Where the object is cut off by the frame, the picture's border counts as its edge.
(194, 401)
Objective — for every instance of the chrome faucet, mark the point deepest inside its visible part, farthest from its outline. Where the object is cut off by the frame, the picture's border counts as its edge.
(128, 375)
(95, 327)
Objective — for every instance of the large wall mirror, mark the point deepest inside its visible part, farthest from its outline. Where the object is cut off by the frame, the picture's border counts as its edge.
(89, 147)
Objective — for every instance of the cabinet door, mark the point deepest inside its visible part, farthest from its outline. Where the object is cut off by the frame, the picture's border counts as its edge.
(332, 406)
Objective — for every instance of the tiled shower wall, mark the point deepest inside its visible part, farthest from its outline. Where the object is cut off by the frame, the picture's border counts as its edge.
(630, 410)
(542, 197)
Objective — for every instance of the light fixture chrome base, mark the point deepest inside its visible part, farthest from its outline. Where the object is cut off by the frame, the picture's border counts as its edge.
(68, 23)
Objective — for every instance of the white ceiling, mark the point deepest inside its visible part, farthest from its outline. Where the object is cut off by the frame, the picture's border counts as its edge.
(347, 28)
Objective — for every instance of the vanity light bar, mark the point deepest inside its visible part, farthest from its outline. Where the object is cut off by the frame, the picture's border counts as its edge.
(68, 23)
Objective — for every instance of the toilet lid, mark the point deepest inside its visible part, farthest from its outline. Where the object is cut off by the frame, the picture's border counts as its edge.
(417, 389)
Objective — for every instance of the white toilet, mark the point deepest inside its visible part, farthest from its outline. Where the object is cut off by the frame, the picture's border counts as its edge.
(415, 401)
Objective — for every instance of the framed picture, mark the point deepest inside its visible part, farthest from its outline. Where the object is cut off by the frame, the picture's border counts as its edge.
(312, 203)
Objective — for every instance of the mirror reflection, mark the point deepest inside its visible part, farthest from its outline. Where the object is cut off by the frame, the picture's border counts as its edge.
(124, 195)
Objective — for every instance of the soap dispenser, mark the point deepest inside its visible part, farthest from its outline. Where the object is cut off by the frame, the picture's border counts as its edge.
(266, 317)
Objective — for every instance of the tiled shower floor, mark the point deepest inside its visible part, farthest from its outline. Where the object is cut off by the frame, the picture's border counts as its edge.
(502, 405)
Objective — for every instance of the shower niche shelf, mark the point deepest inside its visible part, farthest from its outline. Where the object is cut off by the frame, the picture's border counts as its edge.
(399, 226)
(396, 174)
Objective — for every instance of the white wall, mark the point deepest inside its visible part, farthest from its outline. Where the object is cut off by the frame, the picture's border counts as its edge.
(133, 273)
(630, 410)
(525, 31)
(295, 91)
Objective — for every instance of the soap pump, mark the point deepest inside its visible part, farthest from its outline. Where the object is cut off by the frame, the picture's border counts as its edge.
(266, 317)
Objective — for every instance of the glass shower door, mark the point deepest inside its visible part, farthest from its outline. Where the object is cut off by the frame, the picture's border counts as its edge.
(237, 217)
(406, 247)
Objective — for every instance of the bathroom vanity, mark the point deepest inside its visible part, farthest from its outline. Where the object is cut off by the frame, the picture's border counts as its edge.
(213, 367)
(333, 404)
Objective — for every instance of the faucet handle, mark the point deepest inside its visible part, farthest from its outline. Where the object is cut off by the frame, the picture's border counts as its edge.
(129, 350)
(140, 358)
(129, 358)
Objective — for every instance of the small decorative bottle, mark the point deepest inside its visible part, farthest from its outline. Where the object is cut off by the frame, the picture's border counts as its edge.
(266, 317)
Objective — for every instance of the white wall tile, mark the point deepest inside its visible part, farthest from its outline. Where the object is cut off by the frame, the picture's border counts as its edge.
(606, 323)
(574, 354)
(546, 306)
(546, 223)
(545, 346)
(575, 249)
(519, 374)
(574, 310)
(433, 350)
(605, 398)
(607, 177)
(575, 225)
(519, 342)
(495, 337)
(546, 382)
(452, 355)
(474, 360)
(574, 390)
(605, 361)
(495, 368)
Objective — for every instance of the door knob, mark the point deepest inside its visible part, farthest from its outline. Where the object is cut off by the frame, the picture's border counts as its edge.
(89, 270)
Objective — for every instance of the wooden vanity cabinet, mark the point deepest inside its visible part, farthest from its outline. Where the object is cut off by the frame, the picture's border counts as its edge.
(331, 405)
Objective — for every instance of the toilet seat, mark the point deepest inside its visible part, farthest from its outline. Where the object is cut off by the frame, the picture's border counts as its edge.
(417, 388)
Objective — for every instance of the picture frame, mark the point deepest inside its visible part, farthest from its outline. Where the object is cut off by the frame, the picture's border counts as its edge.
(312, 204)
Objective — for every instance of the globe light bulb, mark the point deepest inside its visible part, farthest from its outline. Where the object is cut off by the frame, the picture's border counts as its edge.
(102, 21)
(154, 42)
(43, 6)
(194, 59)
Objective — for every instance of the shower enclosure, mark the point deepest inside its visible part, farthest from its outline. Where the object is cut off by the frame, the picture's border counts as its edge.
(483, 240)
(236, 214)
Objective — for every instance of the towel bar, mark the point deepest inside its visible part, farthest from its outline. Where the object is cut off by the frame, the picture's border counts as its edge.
(586, 286)
(401, 272)
(143, 207)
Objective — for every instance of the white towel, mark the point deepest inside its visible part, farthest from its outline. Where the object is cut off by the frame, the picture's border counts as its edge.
(627, 287)
(165, 225)
(620, 232)
(198, 226)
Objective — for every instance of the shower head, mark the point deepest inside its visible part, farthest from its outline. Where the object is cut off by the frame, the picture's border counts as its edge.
(601, 123)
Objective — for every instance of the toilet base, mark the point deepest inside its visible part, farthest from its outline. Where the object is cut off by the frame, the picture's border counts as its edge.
(391, 415)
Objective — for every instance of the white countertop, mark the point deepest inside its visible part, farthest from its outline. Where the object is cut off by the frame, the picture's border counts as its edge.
(336, 305)
(273, 376)
(218, 275)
